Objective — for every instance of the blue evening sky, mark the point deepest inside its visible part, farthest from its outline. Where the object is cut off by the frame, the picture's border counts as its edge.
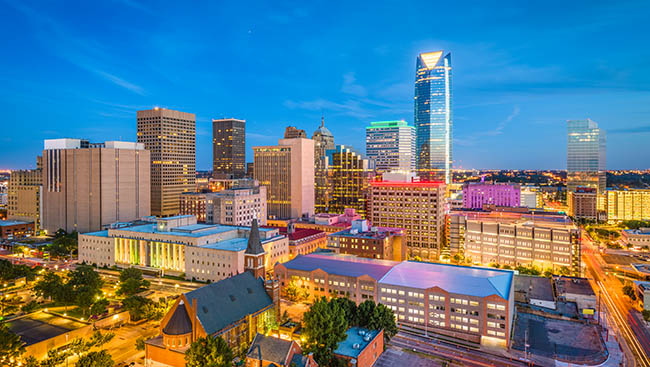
(82, 68)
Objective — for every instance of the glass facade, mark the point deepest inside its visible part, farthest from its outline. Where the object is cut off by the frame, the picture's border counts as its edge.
(586, 155)
(391, 145)
(433, 115)
(349, 176)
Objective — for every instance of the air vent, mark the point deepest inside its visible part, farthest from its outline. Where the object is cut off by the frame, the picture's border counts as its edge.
(250, 291)
(205, 309)
(232, 298)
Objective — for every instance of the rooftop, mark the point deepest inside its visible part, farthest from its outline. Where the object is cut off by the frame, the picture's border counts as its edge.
(300, 233)
(472, 281)
(6, 223)
(643, 285)
(194, 230)
(345, 265)
(406, 184)
(233, 244)
(274, 350)
(357, 340)
(642, 268)
(573, 285)
(535, 287)
(376, 232)
(640, 231)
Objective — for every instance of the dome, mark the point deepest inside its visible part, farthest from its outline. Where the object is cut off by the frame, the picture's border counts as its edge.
(322, 130)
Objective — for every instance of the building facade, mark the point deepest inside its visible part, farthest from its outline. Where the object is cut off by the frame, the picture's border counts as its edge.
(323, 141)
(433, 116)
(637, 238)
(235, 206)
(476, 195)
(291, 132)
(24, 196)
(349, 175)
(228, 148)
(180, 245)
(303, 241)
(418, 207)
(631, 204)
(88, 186)
(586, 155)
(170, 137)
(371, 242)
(391, 145)
(583, 203)
(16, 229)
(513, 239)
(287, 171)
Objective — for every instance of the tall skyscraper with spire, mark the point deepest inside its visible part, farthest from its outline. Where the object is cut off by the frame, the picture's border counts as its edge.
(433, 115)
(323, 141)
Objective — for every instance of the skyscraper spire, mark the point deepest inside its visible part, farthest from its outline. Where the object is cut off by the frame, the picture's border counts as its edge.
(322, 121)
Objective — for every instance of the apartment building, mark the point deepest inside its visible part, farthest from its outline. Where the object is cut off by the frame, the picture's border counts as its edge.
(513, 238)
(372, 242)
(24, 195)
(418, 207)
(180, 245)
(88, 186)
(631, 204)
(583, 203)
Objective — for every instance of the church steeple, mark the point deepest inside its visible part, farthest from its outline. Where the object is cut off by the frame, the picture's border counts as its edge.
(254, 254)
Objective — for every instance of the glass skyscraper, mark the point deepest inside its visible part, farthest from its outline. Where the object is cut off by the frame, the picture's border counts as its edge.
(433, 117)
(586, 154)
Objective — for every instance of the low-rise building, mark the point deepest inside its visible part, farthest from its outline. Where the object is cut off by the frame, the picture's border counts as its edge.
(235, 309)
(637, 238)
(204, 252)
(643, 293)
(14, 229)
(534, 290)
(578, 290)
(583, 203)
(329, 222)
(361, 347)
(372, 242)
(268, 351)
(303, 241)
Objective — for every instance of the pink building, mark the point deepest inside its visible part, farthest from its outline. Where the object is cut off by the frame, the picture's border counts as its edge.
(475, 195)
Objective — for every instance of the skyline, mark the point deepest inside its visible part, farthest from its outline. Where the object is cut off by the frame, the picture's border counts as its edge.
(80, 75)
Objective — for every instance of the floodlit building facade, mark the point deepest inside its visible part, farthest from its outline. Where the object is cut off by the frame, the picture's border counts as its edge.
(433, 115)
(476, 195)
(348, 174)
(372, 242)
(24, 196)
(170, 137)
(631, 204)
(586, 155)
(88, 186)
(391, 145)
(583, 203)
(228, 148)
(418, 207)
(287, 171)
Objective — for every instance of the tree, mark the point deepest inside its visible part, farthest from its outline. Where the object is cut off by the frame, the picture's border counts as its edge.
(364, 312)
(628, 290)
(96, 359)
(209, 351)
(295, 293)
(50, 287)
(131, 282)
(136, 306)
(84, 298)
(11, 347)
(29, 307)
(349, 309)
(382, 317)
(85, 275)
(30, 361)
(139, 343)
(99, 307)
(53, 359)
(64, 244)
(646, 315)
(324, 327)
(98, 339)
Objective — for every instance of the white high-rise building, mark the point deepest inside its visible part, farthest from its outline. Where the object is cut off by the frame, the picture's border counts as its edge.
(391, 144)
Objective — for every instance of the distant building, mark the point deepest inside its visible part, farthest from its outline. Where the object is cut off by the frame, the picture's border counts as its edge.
(323, 141)
(179, 245)
(268, 351)
(329, 222)
(303, 241)
(391, 145)
(287, 171)
(586, 155)
(631, 204)
(418, 207)
(16, 229)
(433, 116)
(228, 148)
(235, 309)
(88, 186)
(531, 197)
(637, 238)
(170, 137)
(349, 175)
(250, 168)
(372, 242)
(476, 195)
(583, 203)
(513, 239)
(361, 347)
(578, 290)
(292, 132)
(643, 293)
(24, 195)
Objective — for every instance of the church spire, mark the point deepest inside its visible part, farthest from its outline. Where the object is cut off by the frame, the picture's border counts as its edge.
(254, 243)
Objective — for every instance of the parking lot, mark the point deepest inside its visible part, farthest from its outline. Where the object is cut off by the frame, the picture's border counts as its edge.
(393, 357)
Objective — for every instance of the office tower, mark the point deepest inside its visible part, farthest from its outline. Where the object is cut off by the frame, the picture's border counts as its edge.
(631, 204)
(531, 197)
(348, 175)
(583, 203)
(586, 155)
(291, 133)
(24, 195)
(228, 148)
(287, 171)
(323, 141)
(391, 144)
(433, 116)
(88, 186)
(170, 137)
(476, 195)
(546, 240)
(417, 207)
(250, 168)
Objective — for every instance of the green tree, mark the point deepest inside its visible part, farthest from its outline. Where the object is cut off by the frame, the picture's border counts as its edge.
(85, 275)
(364, 312)
(30, 361)
(132, 282)
(64, 244)
(99, 307)
(53, 359)
(324, 327)
(51, 286)
(84, 297)
(209, 351)
(136, 306)
(295, 293)
(97, 339)
(349, 309)
(382, 318)
(29, 307)
(96, 359)
(139, 343)
(11, 347)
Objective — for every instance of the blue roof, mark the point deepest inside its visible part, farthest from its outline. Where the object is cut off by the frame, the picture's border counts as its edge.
(346, 347)
(97, 234)
(176, 217)
(234, 244)
(471, 281)
(229, 300)
(12, 222)
(188, 231)
(345, 265)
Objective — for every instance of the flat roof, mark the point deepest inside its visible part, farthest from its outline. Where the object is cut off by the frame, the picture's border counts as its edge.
(573, 285)
(233, 244)
(643, 285)
(189, 231)
(5, 223)
(471, 281)
(640, 231)
(103, 233)
(176, 217)
(535, 287)
(345, 265)
(382, 232)
(356, 338)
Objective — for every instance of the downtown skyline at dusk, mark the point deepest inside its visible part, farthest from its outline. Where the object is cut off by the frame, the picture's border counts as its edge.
(519, 74)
